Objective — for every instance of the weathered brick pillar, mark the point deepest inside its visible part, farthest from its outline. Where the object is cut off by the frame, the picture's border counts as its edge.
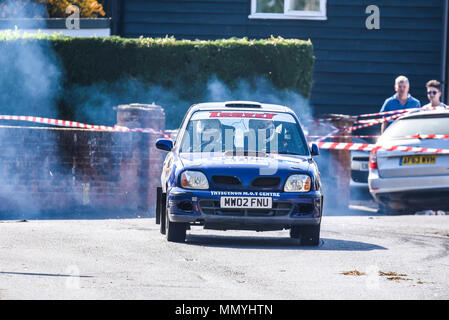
(149, 158)
(340, 162)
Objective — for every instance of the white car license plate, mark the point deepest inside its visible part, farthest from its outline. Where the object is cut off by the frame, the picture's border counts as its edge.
(246, 202)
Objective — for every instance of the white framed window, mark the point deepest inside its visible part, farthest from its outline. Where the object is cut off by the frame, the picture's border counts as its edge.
(288, 9)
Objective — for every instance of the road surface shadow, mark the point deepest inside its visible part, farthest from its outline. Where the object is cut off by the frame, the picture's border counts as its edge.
(44, 274)
(274, 243)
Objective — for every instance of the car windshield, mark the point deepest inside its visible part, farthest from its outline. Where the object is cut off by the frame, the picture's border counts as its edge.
(426, 124)
(242, 131)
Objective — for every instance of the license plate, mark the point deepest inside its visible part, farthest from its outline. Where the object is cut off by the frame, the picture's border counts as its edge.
(416, 160)
(364, 166)
(246, 202)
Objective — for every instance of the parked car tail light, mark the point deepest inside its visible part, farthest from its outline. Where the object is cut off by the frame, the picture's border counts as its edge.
(373, 159)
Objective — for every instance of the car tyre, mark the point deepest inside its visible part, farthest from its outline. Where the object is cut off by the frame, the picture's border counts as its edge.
(295, 232)
(175, 231)
(162, 212)
(158, 205)
(310, 235)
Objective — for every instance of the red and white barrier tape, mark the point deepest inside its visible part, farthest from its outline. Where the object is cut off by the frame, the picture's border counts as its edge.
(364, 121)
(416, 136)
(331, 119)
(329, 135)
(385, 113)
(372, 123)
(370, 147)
(427, 136)
(351, 136)
(74, 124)
(61, 123)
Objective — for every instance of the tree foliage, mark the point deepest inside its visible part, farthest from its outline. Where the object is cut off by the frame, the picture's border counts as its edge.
(13, 9)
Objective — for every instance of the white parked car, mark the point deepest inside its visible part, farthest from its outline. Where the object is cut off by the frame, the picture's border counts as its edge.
(407, 182)
(359, 173)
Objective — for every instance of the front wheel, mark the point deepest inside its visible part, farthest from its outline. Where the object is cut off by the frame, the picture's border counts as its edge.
(175, 231)
(309, 235)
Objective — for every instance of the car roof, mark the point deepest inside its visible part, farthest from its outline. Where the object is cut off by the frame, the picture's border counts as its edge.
(239, 105)
(420, 113)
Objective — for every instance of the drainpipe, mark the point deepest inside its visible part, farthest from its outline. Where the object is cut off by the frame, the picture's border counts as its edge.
(444, 58)
(116, 15)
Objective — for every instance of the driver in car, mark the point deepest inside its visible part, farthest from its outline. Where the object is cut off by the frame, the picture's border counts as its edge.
(266, 137)
(210, 133)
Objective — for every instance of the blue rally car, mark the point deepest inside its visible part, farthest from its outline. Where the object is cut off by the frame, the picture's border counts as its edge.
(240, 165)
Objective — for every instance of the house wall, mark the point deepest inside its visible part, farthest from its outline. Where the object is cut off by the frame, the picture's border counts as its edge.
(355, 67)
(99, 27)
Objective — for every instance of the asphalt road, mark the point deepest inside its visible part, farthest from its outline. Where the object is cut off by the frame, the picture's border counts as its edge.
(360, 257)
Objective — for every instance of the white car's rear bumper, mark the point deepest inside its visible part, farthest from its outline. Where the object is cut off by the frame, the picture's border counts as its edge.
(425, 192)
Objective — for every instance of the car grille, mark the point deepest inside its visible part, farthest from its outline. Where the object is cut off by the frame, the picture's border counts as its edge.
(226, 180)
(266, 182)
(212, 207)
(234, 183)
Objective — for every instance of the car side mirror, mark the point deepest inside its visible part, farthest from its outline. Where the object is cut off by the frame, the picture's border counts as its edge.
(164, 144)
(315, 150)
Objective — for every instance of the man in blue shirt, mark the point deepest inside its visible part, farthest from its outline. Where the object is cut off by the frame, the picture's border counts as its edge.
(401, 100)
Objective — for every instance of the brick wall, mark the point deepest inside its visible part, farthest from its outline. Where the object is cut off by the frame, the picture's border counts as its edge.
(59, 171)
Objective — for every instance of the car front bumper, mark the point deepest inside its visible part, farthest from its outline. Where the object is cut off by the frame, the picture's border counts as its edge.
(295, 209)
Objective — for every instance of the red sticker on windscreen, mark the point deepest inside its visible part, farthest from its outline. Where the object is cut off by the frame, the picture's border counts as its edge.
(220, 114)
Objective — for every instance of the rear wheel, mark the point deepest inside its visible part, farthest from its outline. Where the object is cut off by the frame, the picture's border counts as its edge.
(175, 231)
(158, 205)
(162, 212)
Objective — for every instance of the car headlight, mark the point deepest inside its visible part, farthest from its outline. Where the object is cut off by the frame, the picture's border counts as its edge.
(194, 180)
(298, 183)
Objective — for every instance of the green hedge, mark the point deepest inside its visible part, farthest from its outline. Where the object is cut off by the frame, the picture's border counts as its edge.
(288, 63)
(183, 65)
